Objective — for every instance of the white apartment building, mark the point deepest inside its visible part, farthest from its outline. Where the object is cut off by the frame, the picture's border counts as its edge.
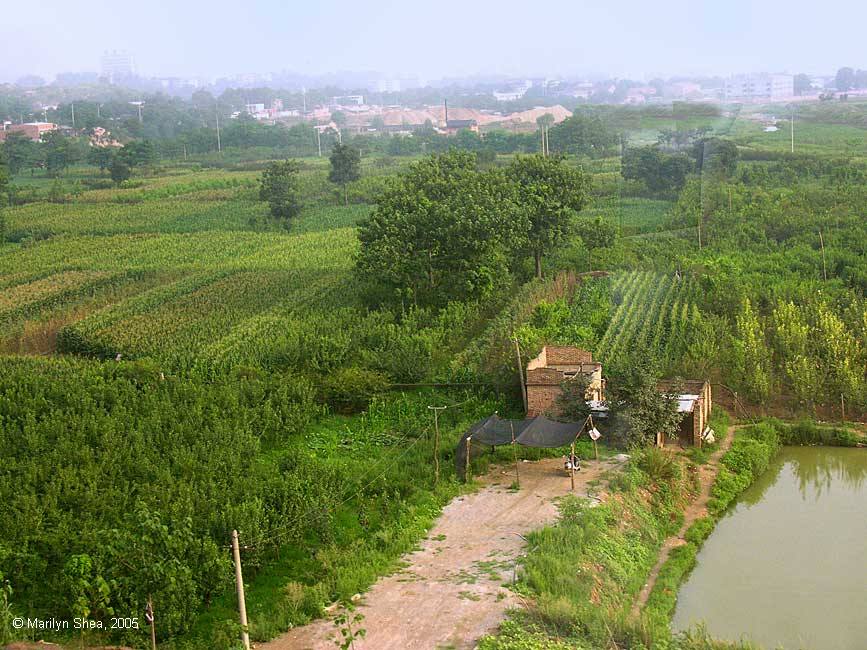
(760, 87)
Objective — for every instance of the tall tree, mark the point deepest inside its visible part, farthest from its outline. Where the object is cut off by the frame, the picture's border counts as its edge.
(802, 84)
(139, 153)
(845, 79)
(101, 157)
(279, 187)
(59, 152)
(442, 231)
(21, 152)
(637, 404)
(583, 135)
(716, 156)
(550, 193)
(595, 233)
(119, 169)
(345, 166)
(661, 172)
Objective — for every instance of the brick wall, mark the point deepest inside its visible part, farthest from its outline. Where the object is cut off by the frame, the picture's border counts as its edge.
(541, 399)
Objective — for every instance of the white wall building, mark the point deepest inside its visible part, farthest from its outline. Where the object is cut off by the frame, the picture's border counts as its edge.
(760, 87)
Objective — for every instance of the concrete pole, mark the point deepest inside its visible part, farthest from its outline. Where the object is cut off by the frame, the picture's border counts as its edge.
(239, 581)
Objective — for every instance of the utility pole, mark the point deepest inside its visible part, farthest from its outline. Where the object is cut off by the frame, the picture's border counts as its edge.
(620, 184)
(521, 372)
(824, 265)
(217, 115)
(149, 617)
(792, 125)
(72, 105)
(436, 410)
(319, 141)
(239, 581)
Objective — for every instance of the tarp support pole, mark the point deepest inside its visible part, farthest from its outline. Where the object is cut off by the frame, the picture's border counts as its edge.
(515, 454)
(593, 426)
(572, 466)
(467, 464)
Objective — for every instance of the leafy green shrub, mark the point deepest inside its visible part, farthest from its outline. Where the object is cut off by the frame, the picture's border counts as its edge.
(807, 432)
(660, 466)
(699, 531)
(351, 389)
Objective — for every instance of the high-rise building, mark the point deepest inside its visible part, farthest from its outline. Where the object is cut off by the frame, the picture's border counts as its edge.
(761, 87)
(117, 66)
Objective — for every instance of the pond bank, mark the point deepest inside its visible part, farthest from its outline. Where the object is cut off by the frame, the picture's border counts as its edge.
(785, 565)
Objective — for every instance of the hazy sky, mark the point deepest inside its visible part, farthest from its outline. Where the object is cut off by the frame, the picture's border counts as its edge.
(632, 38)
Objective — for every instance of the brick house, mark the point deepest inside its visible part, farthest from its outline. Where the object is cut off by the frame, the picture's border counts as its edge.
(695, 402)
(554, 365)
(33, 130)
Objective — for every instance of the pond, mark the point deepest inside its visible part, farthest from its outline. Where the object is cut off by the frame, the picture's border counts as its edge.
(787, 565)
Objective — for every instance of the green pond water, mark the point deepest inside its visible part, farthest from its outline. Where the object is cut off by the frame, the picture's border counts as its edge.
(787, 565)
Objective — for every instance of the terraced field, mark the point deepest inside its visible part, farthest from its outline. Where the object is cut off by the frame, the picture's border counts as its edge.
(195, 257)
(653, 312)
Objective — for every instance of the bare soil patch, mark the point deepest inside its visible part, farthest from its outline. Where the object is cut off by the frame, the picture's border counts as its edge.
(453, 589)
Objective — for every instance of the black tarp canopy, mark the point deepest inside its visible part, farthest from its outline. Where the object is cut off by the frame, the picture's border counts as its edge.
(529, 432)
(542, 432)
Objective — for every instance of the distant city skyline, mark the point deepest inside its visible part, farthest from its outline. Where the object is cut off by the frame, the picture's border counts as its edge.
(625, 38)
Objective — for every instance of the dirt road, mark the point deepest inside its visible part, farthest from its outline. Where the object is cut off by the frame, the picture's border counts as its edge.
(451, 592)
(695, 510)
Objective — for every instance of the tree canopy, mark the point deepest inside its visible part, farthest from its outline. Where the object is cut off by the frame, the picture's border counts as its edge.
(716, 156)
(641, 408)
(583, 135)
(279, 187)
(345, 166)
(662, 173)
(442, 231)
(549, 192)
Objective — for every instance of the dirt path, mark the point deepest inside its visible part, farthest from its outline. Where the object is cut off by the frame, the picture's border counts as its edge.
(695, 510)
(451, 592)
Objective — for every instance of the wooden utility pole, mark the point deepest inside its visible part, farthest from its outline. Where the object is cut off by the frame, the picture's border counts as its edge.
(515, 454)
(149, 616)
(824, 265)
(521, 373)
(239, 581)
(436, 410)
